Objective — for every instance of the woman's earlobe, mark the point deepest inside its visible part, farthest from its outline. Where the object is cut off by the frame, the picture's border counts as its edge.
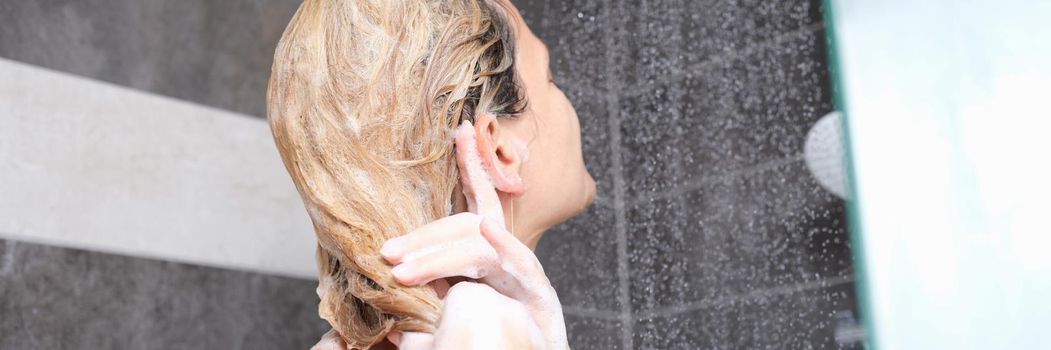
(500, 157)
(510, 182)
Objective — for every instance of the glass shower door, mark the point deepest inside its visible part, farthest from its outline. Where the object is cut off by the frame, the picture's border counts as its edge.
(949, 134)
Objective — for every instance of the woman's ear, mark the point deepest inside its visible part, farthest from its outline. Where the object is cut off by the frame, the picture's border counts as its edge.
(502, 160)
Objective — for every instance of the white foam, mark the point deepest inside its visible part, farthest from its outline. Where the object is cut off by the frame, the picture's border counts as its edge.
(486, 202)
(362, 179)
(351, 123)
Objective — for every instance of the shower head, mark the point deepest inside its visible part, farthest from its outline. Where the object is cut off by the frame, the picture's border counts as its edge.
(824, 154)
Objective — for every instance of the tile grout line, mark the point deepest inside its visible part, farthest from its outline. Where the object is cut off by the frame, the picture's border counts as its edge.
(616, 163)
(702, 304)
(696, 183)
(783, 290)
(590, 313)
(676, 92)
(693, 184)
(619, 202)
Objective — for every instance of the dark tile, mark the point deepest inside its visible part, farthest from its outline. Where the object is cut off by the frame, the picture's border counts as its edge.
(650, 131)
(652, 50)
(576, 34)
(593, 333)
(64, 298)
(722, 27)
(736, 235)
(593, 113)
(755, 108)
(804, 319)
(730, 115)
(659, 255)
(216, 53)
(580, 258)
(533, 12)
(667, 39)
(767, 229)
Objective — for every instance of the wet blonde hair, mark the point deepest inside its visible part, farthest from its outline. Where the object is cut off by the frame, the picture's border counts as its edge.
(363, 99)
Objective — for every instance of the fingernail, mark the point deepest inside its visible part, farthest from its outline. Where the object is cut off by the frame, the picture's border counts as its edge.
(388, 249)
(402, 272)
(395, 338)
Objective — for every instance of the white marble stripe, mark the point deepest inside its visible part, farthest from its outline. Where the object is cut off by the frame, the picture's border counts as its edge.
(91, 165)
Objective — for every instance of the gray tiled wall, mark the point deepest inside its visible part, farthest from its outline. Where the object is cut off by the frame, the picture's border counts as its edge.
(58, 298)
(708, 231)
(215, 53)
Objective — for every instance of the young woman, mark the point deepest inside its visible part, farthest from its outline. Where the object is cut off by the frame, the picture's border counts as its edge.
(432, 149)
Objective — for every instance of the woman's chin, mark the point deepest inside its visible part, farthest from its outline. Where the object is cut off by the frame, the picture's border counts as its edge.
(589, 194)
(590, 187)
(573, 205)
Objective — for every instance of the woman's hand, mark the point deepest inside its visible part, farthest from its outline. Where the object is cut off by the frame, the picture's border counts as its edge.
(513, 286)
(513, 305)
(477, 245)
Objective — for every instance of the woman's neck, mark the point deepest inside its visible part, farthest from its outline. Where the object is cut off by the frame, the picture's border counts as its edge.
(521, 226)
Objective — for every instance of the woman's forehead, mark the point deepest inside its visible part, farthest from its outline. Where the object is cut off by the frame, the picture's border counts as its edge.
(528, 44)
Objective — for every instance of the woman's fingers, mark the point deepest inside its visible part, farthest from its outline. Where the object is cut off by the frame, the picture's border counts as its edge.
(469, 257)
(450, 246)
(411, 340)
(519, 272)
(431, 237)
(522, 277)
(477, 187)
(504, 242)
